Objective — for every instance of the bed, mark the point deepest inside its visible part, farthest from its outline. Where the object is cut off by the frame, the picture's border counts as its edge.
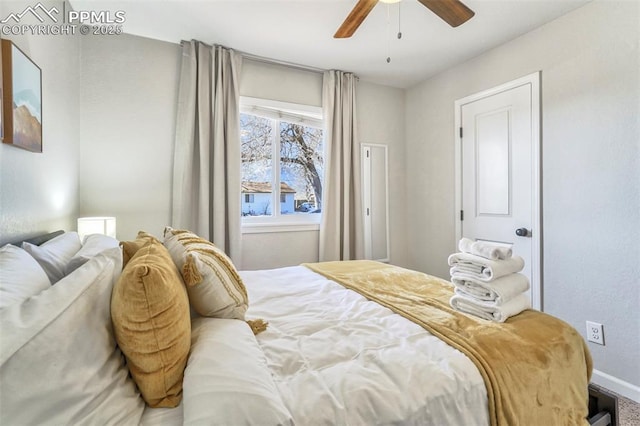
(329, 356)
(338, 358)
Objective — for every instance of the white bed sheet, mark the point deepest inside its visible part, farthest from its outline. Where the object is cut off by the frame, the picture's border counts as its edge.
(162, 416)
(339, 359)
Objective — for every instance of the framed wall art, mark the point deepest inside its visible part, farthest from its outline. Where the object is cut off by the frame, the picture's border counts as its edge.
(1, 100)
(21, 99)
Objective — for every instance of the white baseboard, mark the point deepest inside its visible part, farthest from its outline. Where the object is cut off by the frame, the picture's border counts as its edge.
(616, 385)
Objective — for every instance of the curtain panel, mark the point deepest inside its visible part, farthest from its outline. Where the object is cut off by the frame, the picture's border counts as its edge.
(342, 227)
(206, 169)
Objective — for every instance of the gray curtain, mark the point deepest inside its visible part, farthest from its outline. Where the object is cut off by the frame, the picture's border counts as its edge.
(206, 169)
(341, 229)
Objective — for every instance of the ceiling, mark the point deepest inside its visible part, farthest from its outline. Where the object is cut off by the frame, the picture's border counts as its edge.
(301, 31)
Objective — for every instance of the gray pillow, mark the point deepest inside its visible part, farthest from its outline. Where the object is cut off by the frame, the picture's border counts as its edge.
(91, 246)
(20, 276)
(55, 254)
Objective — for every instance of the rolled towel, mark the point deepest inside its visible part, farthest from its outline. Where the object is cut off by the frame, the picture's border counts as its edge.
(490, 269)
(490, 311)
(466, 268)
(484, 249)
(499, 291)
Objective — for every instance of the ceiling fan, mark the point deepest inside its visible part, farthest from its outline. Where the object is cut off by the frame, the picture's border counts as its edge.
(453, 12)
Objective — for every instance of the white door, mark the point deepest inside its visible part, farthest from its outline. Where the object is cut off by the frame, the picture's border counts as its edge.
(375, 188)
(499, 160)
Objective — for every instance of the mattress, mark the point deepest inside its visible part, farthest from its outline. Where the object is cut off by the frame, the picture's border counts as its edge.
(337, 358)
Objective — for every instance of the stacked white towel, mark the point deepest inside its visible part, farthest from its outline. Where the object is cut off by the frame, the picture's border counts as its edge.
(490, 311)
(487, 281)
(484, 249)
(482, 269)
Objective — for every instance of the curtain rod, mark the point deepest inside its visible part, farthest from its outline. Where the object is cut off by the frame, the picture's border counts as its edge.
(257, 58)
(271, 61)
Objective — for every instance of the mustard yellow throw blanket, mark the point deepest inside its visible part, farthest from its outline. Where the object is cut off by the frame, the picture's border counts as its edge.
(536, 367)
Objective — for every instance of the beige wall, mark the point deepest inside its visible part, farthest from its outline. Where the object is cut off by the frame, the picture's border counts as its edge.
(39, 192)
(128, 113)
(279, 83)
(381, 112)
(590, 169)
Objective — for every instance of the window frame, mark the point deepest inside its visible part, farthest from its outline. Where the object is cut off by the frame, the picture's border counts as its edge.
(306, 115)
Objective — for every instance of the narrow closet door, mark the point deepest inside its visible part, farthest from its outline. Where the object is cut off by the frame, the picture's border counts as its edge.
(376, 202)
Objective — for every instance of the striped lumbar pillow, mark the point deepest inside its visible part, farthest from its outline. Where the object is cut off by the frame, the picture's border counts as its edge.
(215, 289)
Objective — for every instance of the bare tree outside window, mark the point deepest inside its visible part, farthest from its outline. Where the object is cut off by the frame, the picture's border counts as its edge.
(301, 160)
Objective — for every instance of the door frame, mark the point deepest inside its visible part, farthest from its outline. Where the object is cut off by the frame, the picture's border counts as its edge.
(366, 199)
(532, 79)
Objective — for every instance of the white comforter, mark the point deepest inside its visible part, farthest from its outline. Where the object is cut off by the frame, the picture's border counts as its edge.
(338, 358)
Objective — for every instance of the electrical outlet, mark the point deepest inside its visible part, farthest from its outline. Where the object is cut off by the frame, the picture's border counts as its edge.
(595, 333)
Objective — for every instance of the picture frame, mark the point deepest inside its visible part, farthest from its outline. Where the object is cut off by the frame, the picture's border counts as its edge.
(1, 99)
(21, 99)
(1, 111)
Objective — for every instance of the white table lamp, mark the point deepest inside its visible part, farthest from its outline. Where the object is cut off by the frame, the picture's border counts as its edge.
(96, 225)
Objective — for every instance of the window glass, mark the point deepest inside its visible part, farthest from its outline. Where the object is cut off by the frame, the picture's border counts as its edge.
(282, 160)
(301, 166)
(256, 137)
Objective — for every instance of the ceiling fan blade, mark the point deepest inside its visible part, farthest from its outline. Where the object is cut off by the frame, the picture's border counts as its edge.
(355, 18)
(453, 12)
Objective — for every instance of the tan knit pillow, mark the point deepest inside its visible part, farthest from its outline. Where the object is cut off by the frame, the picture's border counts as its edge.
(130, 248)
(152, 324)
(214, 286)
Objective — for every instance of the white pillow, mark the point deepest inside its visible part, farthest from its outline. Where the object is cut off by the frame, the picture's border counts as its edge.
(54, 255)
(227, 380)
(20, 276)
(91, 246)
(59, 362)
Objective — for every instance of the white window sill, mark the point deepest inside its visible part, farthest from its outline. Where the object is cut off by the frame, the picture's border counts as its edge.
(264, 227)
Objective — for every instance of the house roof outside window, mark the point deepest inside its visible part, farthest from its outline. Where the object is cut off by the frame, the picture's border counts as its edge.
(264, 188)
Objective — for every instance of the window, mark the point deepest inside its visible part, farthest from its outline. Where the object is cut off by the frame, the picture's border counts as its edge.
(282, 160)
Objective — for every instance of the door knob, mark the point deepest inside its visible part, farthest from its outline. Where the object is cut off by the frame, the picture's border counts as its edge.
(522, 232)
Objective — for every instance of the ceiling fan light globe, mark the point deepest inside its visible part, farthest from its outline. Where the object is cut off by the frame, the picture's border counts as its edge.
(390, 1)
